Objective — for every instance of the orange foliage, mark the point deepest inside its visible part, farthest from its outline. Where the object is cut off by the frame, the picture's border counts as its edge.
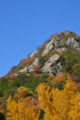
(3, 111)
(26, 61)
(21, 95)
(22, 92)
(27, 99)
(24, 73)
(11, 76)
(13, 68)
(31, 101)
(35, 74)
(61, 53)
(51, 53)
(50, 78)
(52, 36)
(37, 68)
(60, 77)
(20, 110)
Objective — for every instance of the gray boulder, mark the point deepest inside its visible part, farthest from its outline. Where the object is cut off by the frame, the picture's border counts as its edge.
(48, 64)
(59, 68)
(71, 42)
(31, 67)
(60, 49)
(23, 70)
(48, 47)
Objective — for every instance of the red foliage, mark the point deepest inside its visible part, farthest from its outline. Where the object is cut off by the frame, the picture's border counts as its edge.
(52, 36)
(26, 61)
(61, 53)
(12, 76)
(74, 78)
(71, 34)
(24, 73)
(27, 99)
(3, 111)
(37, 68)
(35, 74)
(31, 101)
(20, 95)
(60, 77)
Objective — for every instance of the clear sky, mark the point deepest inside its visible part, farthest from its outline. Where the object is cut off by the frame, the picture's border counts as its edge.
(26, 24)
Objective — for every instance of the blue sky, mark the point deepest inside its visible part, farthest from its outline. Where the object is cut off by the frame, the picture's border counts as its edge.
(26, 24)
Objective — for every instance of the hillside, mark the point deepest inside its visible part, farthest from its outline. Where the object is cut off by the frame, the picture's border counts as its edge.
(52, 57)
(53, 67)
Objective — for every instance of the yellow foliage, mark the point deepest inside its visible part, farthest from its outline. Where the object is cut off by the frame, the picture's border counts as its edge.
(60, 105)
(57, 104)
(18, 111)
(22, 89)
(50, 78)
(23, 92)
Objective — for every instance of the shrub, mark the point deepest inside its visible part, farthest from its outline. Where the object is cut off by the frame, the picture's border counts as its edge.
(35, 74)
(26, 61)
(37, 68)
(70, 60)
(42, 60)
(76, 71)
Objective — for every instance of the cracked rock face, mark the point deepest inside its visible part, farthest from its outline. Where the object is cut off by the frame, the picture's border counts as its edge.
(59, 68)
(72, 43)
(23, 70)
(48, 64)
(32, 55)
(60, 49)
(31, 67)
(59, 43)
(52, 45)
(48, 47)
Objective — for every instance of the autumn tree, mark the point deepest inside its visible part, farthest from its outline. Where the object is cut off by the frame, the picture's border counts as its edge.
(56, 104)
(18, 111)
(23, 92)
(60, 104)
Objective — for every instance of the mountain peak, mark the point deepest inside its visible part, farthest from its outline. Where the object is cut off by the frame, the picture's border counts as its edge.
(47, 58)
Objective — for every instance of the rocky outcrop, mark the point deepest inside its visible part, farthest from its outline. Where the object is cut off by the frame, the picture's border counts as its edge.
(48, 64)
(23, 70)
(31, 67)
(51, 45)
(48, 47)
(57, 43)
(33, 54)
(71, 42)
(56, 40)
(59, 68)
(60, 49)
